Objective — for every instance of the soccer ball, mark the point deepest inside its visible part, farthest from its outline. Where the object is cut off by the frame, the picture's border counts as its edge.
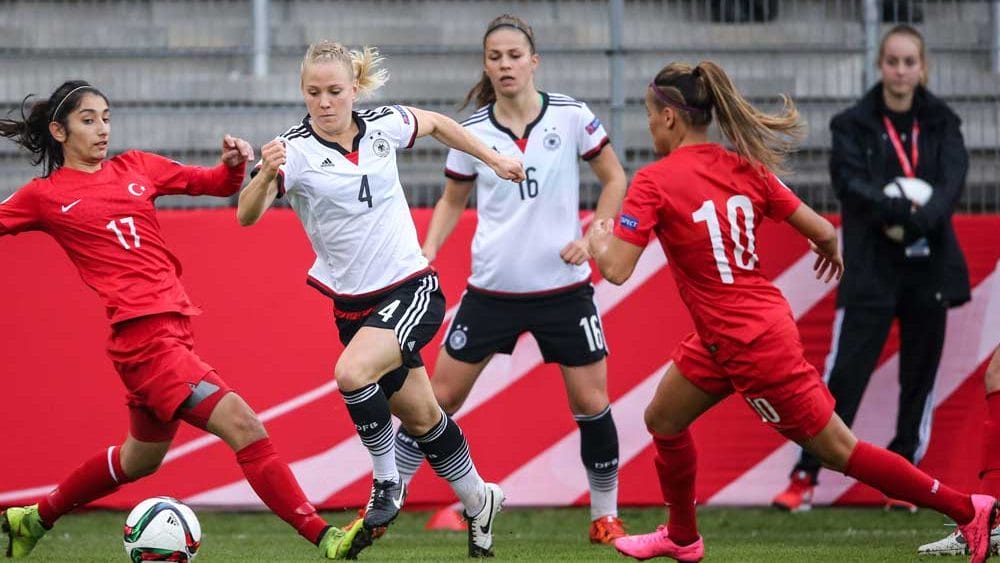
(161, 529)
(913, 189)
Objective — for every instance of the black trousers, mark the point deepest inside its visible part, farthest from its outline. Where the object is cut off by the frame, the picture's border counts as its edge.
(862, 335)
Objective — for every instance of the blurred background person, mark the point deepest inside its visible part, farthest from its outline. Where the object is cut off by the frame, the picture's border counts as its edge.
(902, 259)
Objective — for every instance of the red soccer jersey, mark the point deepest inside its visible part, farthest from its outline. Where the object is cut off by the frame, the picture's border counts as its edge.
(106, 223)
(705, 203)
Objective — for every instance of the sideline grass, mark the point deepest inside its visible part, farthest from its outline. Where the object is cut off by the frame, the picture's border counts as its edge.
(744, 535)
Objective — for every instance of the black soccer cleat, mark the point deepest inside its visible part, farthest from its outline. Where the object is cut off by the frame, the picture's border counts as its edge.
(383, 506)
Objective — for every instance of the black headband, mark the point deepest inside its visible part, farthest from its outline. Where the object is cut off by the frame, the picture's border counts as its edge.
(514, 26)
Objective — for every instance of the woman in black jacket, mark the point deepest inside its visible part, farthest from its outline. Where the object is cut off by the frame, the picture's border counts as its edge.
(901, 259)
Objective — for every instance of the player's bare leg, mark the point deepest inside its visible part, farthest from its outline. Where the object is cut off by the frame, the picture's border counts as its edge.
(372, 353)
(587, 392)
(442, 442)
(453, 380)
(233, 421)
(838, 448)
(675, 405)
(95, 478)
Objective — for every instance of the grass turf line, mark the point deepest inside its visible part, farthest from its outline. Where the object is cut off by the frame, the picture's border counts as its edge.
(744, 535)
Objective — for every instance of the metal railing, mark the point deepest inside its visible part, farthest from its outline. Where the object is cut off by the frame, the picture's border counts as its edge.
(182, 72)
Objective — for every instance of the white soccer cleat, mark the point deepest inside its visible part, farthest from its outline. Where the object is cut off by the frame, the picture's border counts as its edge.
(955, 544)
(481, 525)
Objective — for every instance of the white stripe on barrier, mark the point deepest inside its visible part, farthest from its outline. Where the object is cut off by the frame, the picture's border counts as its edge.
(323, 474)
(969, 342)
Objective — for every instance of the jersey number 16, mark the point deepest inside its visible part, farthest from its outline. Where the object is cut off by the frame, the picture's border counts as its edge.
(744, 256)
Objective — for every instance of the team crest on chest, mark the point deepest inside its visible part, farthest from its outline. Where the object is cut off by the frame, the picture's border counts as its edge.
(552, 141)
(136, 189)
(380, 147)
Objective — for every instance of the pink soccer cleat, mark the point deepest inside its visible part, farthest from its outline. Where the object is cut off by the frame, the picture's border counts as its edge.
(658, 544)
(977, 532)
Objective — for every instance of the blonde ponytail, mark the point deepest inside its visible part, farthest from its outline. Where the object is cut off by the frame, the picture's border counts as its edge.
(367, 67)
(364, 65)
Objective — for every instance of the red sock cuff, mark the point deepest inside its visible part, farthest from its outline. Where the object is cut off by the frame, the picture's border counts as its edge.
(256, 451)
(991, 434)
(991, 443)
(859, 451)
(115, 466)
(672, 441)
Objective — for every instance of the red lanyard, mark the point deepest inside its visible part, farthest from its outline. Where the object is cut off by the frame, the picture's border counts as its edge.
(909, 170)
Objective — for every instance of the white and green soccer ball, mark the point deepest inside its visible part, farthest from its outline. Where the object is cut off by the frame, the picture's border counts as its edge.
(162, 529)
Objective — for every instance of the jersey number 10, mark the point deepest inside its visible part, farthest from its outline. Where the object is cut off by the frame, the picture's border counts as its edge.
(744, 256)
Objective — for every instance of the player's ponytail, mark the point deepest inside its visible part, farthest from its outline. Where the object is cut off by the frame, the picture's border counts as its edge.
(757, 136)
(483, 92)
(364, 65)
(32, 130)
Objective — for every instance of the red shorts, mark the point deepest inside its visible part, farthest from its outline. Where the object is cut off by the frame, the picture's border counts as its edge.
(155, 359)
(771, 373)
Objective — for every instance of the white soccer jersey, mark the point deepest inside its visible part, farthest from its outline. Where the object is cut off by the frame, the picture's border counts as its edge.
(351, 203)
(523, 226)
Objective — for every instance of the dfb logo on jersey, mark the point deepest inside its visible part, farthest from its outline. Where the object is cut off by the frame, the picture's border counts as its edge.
(629, 222)
(458, 339)
(552, 141)
(380, 147)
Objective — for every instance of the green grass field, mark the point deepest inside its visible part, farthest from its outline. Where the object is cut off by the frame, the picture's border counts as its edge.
(536, 535)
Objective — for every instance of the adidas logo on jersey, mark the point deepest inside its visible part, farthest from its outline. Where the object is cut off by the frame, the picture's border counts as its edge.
(326, 162)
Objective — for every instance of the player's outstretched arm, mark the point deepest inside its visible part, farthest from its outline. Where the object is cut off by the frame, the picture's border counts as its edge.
(447, 211)
(615, 258)
(822, 239)
(262, 190)
(447, 131)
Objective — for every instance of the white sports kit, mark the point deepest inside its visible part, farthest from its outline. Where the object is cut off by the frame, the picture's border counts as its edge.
(351, 203)
(523, 226)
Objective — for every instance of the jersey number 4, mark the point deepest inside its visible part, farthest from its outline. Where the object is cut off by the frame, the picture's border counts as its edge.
(744, 256)
(365, 193)
(130, 223)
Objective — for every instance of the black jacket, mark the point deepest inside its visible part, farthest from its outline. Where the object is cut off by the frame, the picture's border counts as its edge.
(876, 271)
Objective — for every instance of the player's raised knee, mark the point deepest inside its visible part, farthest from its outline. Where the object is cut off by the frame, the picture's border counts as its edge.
(661, 422)
(353, 373)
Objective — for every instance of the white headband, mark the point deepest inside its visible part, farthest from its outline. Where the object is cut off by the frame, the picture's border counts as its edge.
(59, 106)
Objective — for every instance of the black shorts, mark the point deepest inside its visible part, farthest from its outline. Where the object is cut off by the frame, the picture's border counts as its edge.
(413, 310)
(566, 325)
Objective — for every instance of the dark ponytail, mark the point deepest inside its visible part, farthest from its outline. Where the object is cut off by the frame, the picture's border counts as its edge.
(483, 92)
(32, 130)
